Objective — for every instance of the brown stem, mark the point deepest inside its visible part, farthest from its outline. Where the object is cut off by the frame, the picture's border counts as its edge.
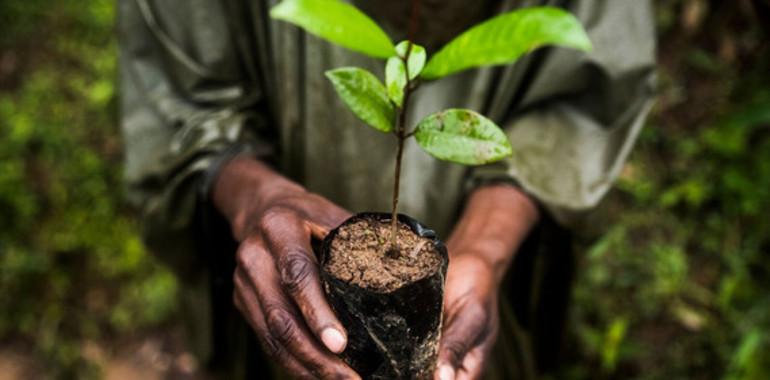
(402, 136)
(396, 183)
(401, 127)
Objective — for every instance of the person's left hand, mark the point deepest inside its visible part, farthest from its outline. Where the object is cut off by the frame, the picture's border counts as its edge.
(495, 221)
(471, 318)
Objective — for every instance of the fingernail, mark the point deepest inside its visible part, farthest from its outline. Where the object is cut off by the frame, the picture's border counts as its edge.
(333, 339)
(446, 373)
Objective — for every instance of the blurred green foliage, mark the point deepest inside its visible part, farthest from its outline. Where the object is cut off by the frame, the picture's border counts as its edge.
(72, 267)
(676, 287)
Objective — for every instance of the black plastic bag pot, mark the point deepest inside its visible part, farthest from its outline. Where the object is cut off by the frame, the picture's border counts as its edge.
(391, 335)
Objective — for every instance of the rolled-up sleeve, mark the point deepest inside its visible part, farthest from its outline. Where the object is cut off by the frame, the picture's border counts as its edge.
(189, 97)
(576, 120)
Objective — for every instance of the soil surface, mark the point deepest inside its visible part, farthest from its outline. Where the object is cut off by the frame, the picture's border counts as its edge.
(359, 255)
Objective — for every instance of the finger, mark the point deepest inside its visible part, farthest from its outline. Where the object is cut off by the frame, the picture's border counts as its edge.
(317, 231)
(289, 243)
(475, 360)
(462, 374)
(463, 331)
(246, 301)
(325, 215)
(285, 329)
(444, 372)
(472, 367)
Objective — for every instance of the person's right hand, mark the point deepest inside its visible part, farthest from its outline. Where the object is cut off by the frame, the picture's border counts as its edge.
(277, 283)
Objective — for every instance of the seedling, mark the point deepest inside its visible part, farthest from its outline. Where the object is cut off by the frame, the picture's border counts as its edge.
(458, 135)
(388, 339)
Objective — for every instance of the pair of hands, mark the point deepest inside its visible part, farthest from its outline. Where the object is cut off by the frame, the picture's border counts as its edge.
(278, 288)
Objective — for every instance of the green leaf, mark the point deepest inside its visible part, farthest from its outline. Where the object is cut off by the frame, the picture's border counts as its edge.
(505, 38)
(337, 22)
(462, 136)
(417, 57)
(395, 79)
(395, 70)
(365, 95)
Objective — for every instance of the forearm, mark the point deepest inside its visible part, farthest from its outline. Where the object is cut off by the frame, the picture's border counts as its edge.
(496, 219)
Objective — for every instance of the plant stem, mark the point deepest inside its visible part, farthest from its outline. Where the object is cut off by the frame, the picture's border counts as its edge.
(396, 182)
(402, 136)
(400, 129)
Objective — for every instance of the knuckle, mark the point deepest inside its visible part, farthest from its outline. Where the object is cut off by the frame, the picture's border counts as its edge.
(316, 369)
(273, 348)
(296, 269)
(281, 326)
(273, 216)
(243, 258)
(454, 351)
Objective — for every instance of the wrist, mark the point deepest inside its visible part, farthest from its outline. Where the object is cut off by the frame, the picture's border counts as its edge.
(496, 220)
(244, 186)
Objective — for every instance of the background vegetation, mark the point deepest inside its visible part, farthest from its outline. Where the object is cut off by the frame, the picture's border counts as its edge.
(676, 285)
(72, 268)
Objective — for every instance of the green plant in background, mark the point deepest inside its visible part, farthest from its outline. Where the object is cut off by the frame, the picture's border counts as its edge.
(683, 266)
(72, 267)
(683, 269)
(458, 135)
(675, 289)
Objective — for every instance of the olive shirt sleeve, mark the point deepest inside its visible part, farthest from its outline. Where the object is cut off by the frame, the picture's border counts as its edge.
(188, 100)
(575, 117)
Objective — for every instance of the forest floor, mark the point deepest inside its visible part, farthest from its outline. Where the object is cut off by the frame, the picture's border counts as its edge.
(154, 355)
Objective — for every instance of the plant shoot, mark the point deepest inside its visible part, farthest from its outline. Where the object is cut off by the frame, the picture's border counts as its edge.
(458, 135)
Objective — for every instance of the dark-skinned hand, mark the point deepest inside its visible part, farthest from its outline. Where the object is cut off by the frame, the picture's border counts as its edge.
(471, 318)
(277, 284)
(495, 221)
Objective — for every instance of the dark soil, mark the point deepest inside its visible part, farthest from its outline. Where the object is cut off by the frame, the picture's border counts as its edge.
(359, 255)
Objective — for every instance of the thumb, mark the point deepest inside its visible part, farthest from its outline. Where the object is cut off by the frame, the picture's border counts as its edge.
(318, 231)
(461, 334)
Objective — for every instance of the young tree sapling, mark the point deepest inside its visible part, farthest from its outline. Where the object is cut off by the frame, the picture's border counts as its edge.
(461, 136)
(458, 135)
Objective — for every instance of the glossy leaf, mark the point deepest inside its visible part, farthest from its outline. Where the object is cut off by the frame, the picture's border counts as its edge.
(417, 57)
(462, 136)
(337, 22)
(395, 79)
(505, 38)
(365, 95)
(395, 70)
